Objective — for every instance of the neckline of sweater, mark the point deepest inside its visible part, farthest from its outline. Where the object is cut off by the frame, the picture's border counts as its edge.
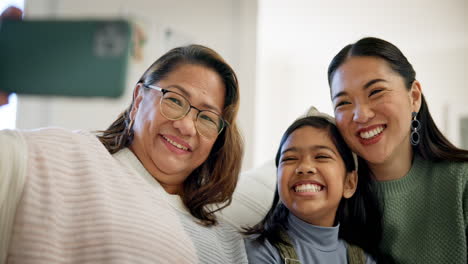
(129, 158)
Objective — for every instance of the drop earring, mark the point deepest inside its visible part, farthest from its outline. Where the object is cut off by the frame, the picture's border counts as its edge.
(415, 126)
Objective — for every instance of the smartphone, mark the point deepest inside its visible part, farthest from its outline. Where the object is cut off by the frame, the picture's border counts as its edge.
(84, 58)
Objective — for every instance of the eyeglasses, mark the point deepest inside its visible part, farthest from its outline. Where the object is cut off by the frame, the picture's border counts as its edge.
(175, 106)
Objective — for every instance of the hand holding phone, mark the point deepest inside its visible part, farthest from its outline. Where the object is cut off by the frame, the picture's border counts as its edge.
(15, 13)
(70, 58)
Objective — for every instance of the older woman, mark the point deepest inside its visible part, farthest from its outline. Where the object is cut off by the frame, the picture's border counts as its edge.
(145, 190)
(381, 112)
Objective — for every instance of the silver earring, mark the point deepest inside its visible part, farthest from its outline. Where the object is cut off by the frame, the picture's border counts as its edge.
(415, 126)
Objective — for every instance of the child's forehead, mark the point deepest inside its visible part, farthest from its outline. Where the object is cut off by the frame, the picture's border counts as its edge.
(308, 136)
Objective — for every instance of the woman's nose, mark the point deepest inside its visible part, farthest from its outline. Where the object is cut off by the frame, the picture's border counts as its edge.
(186, 125)
(363, 113)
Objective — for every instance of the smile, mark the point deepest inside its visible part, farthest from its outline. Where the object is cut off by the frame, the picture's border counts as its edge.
(175, 144)
(372, 133)
(308, 188)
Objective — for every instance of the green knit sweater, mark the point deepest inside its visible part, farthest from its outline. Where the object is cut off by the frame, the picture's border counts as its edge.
(426, 213)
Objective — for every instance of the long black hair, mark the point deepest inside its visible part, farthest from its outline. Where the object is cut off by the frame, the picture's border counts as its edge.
(433, 146)
(359, 216)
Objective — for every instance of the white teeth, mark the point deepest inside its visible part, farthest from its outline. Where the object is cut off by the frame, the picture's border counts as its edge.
(308, 188)
(177, 145)
(372, 133)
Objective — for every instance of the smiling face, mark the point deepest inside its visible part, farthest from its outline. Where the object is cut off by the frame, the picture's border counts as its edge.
(171, 150)
(373, 109)
(312, 177)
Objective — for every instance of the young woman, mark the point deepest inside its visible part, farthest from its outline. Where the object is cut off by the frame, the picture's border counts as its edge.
(321, 212)
(145, 190)
(381, 112)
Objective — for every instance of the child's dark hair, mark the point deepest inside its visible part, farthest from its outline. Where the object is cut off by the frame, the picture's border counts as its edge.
(359, 216)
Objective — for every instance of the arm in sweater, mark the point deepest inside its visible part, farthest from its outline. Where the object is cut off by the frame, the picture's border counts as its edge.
(13, 159)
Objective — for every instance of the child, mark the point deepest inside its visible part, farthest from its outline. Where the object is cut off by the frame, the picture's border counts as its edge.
(320, 213)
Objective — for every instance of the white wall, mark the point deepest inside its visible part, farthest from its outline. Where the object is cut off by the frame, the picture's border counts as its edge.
(298, 38)
(228, 26)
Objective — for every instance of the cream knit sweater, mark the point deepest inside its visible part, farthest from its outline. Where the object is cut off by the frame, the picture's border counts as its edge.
(65, 199)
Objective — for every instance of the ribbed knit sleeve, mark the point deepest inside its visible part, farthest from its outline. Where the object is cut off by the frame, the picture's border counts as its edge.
(425, 213)
(79, 204)
(12, 177)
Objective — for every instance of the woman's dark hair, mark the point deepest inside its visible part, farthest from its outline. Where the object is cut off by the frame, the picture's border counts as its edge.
(359, 216)
(208, 188)
(434, 145)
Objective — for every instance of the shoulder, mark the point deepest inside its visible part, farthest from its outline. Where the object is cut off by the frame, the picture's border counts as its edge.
(228, 235)
(13, 156)
(448, 179)
(53, 139)
(444, 171)
(451, 166)
(226, 226)
(458, 168)
(13, 150)
(48, 148)
(57, 134)
(261, 251)
(13, 167)
(453, 171)
(11, 138)
(227, 232)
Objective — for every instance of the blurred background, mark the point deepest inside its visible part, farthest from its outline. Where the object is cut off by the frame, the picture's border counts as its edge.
(280, 51)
